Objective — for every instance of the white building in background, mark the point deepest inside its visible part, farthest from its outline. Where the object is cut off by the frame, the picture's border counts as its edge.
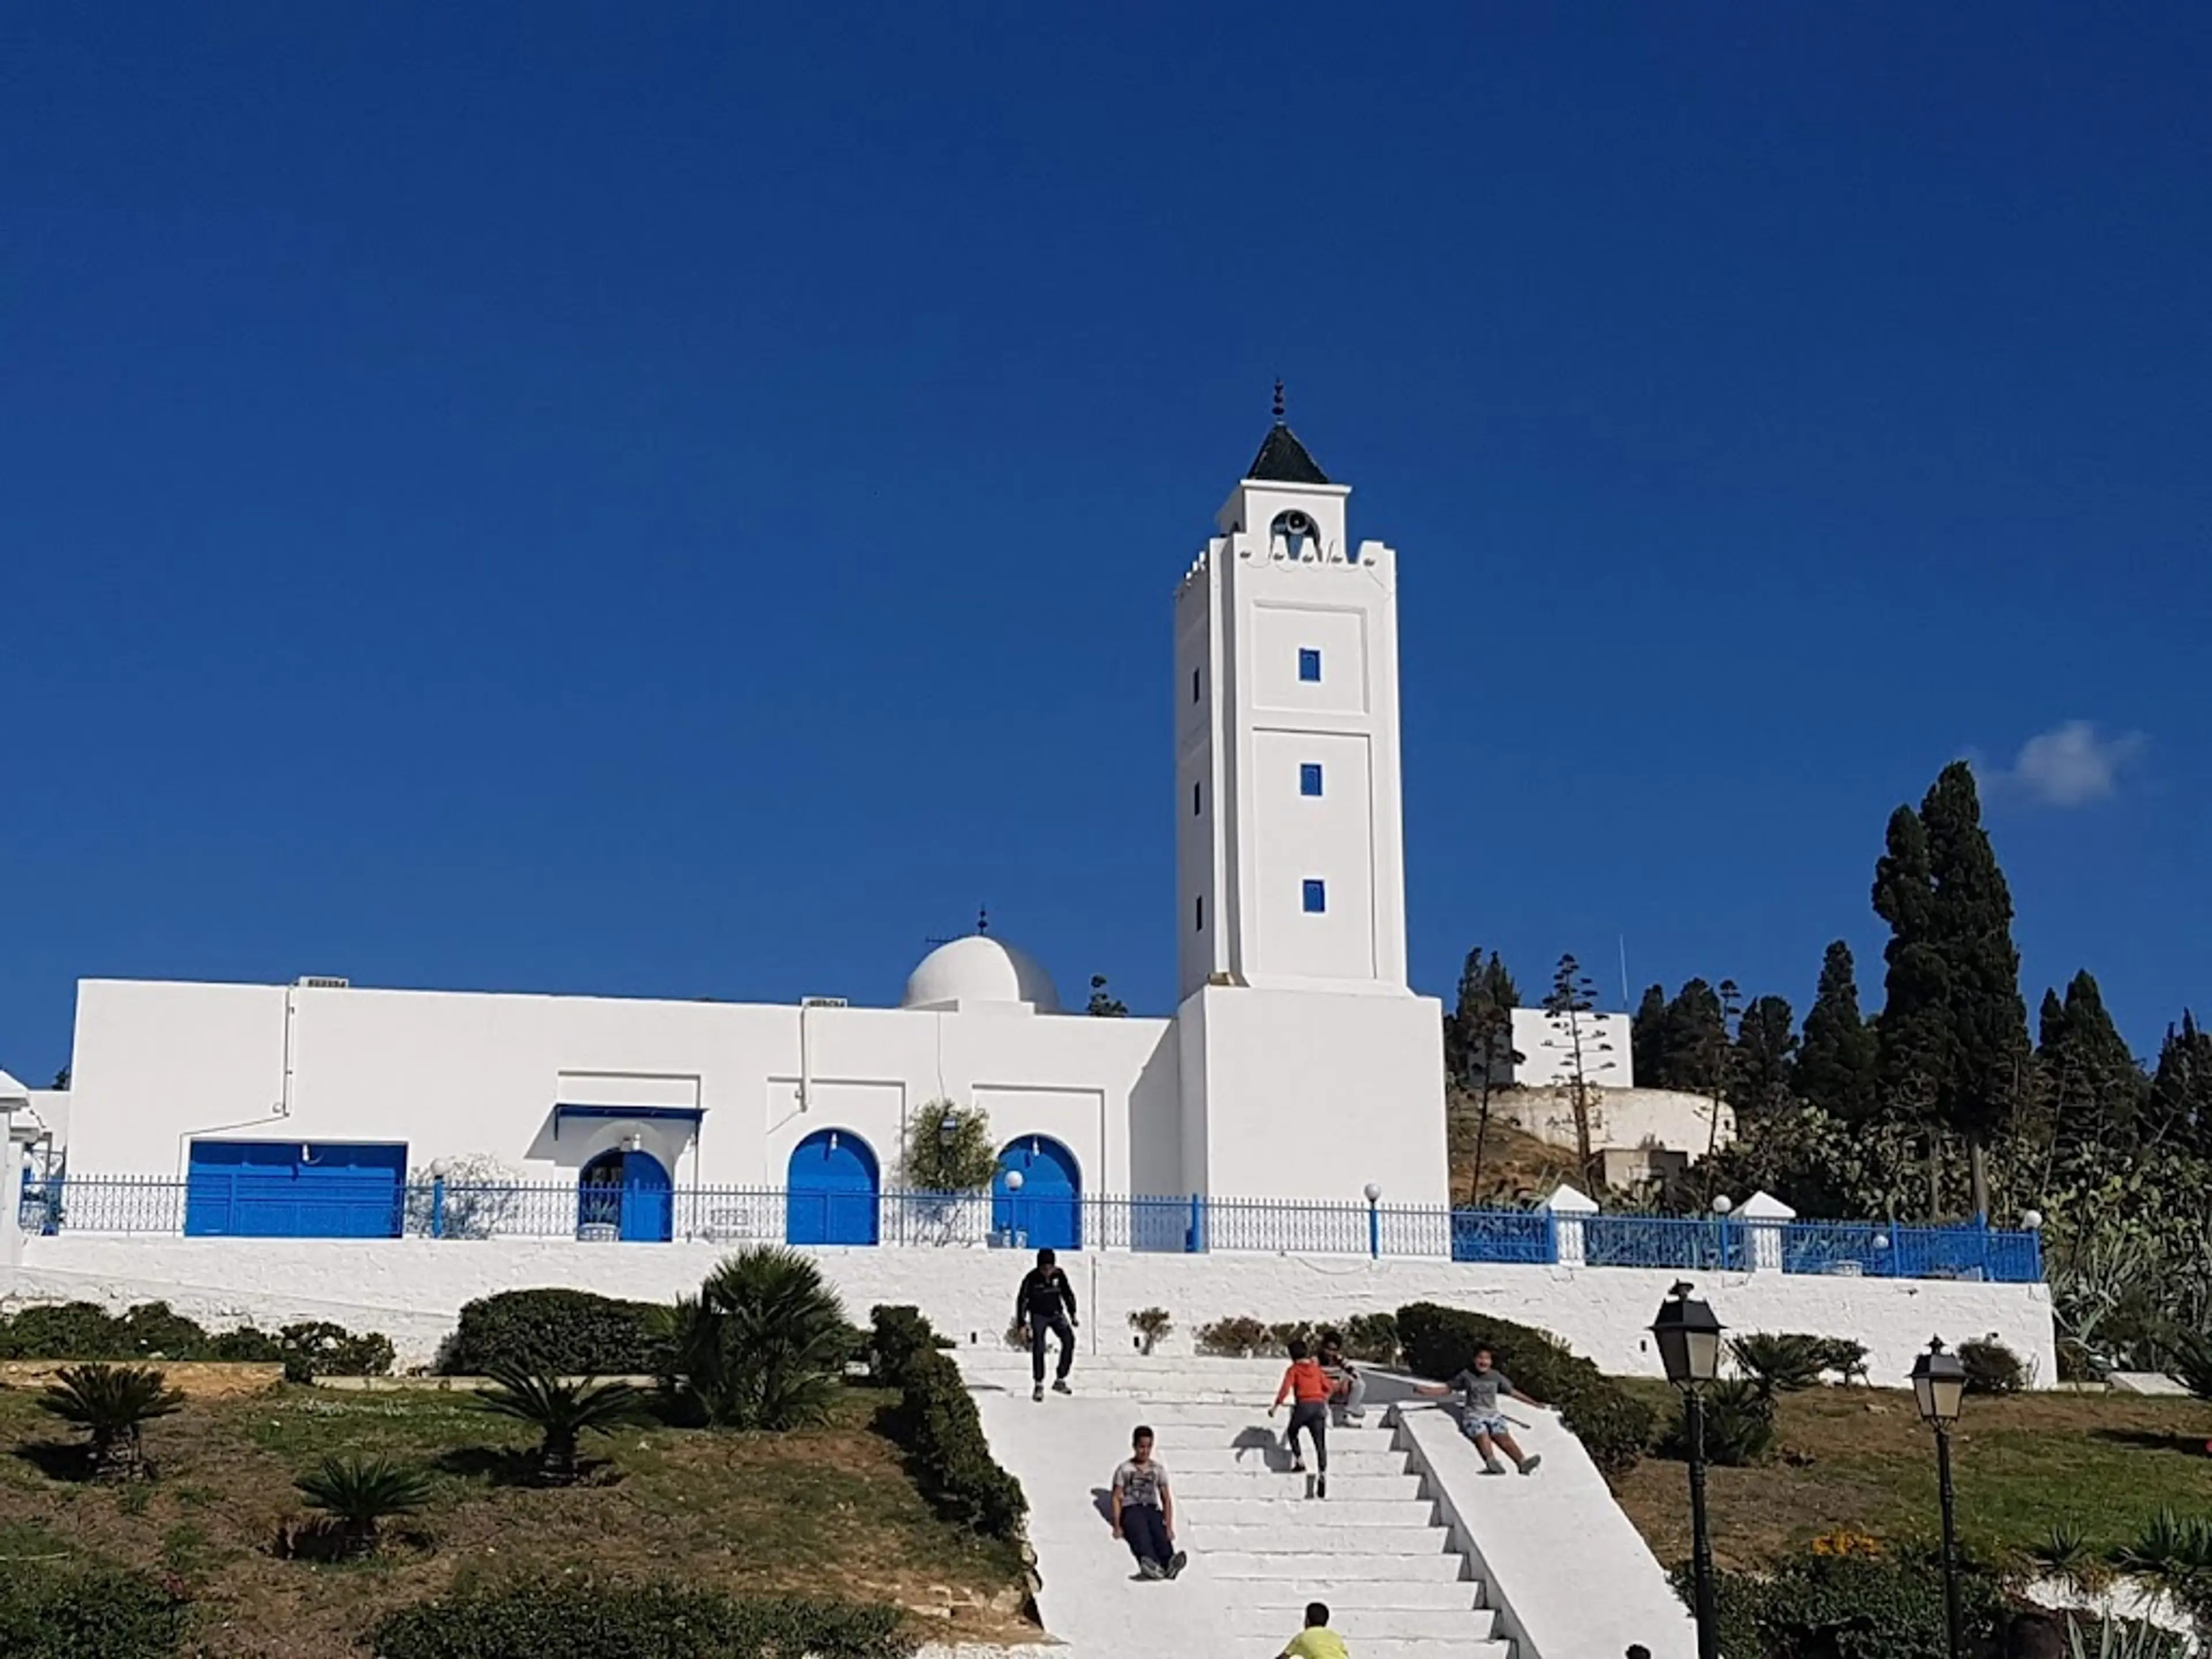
(298, 1110)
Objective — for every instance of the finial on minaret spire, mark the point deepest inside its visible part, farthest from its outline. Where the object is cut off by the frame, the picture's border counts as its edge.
(982, 921)
(1279, 402)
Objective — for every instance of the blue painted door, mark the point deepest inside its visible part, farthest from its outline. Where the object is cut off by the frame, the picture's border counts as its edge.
(282, 1189)
(1048, 1208)
(646, 1200)
(830, 1193)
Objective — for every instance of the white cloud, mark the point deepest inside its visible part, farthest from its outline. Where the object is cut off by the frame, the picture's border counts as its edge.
(2071, 765)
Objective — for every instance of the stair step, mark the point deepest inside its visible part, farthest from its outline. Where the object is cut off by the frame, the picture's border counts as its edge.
(1226, 1558)
(1349, 1595)
(1384, 1647)
(1292, 1508)
(1360, 1624)
(1344, 1487)
(1199, 1457)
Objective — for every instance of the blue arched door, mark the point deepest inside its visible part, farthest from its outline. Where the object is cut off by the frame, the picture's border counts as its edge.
(1048, 1208)
(628, 1191)
(830, 1195)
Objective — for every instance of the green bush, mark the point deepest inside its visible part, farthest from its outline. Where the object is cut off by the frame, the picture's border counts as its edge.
(246, 1345)
(70, 1330)
(764, 1345)
(1738, 1425)
(936, 1421)
(647, 1621)
(318, 1348)
(1234, 1339)
(566, 1333)
(1991, 1367)
(71, 1612)
(1372, 1337)
(1851, 1606)
(1614, 1426)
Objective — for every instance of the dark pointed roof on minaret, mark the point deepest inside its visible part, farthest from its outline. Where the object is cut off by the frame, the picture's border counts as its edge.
(1282, 458)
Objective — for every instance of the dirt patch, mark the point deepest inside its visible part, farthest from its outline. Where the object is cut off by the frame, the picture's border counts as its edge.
(195, 1379)
(828, 1510)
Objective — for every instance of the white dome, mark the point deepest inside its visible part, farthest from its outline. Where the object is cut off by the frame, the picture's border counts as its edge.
(979, 968)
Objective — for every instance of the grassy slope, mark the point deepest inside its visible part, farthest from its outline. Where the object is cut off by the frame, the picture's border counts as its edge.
(828, 1511)
(1861, 1459)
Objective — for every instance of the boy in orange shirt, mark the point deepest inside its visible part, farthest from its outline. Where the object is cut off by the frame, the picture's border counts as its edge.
(1307, 1386)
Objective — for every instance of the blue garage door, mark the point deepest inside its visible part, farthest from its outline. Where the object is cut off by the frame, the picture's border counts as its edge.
(628, 1191)
(1046, 1213)
(831, 1195)
(282, 1189)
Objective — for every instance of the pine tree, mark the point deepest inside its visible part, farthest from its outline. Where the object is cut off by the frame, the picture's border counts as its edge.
(1478, 1041)
(1692, 1041)
(1836, 1068)
(1103, 1004)
(1647, 1037)
(1765, 1057)
(1573, 999)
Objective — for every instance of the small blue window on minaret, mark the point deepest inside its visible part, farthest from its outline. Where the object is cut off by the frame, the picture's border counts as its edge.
(1316, 896)
(1309, 663)
(1309, 778)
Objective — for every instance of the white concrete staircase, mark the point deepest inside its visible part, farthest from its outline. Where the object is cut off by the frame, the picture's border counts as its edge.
(1377, 1549)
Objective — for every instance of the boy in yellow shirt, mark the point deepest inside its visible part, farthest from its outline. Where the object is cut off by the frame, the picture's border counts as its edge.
(1316, 1640)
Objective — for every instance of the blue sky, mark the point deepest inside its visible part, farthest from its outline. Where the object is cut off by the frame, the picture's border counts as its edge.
(684, 501)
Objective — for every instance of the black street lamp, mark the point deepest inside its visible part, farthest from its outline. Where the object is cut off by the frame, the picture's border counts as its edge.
(1939, 1386)
(1689, 1340)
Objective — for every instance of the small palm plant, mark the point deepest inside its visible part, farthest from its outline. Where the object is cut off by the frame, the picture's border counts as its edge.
(560, 1411)
(764, 1345)
(360, 1494)
(112, 1404)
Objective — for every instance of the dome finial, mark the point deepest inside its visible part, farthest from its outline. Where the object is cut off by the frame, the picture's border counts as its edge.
(982, 921)
(1278, 400)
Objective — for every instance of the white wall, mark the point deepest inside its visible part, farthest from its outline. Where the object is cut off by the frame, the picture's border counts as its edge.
(1309, 1094)
(412, 1289)
(1546, 1048)
(1619, 1117)
(159, 1063)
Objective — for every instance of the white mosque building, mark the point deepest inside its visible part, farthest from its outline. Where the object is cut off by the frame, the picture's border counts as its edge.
(1298, 1063)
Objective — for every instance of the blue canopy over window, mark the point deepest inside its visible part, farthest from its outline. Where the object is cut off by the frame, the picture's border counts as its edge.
(691, 1115)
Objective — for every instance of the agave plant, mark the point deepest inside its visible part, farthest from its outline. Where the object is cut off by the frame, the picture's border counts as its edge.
(2174, 1552)
(2119, 1640)
(2067, 1554)
(764, 1343)
(361, 1493)
(112, 1404)
(560, 1411)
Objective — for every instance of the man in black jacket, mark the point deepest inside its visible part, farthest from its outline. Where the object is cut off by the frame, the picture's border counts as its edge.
(1046, 1302)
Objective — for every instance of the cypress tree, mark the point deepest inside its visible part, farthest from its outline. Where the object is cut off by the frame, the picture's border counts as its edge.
(1837, 1067)
(2180, 1104)
(1694, 1040)
(1953, 1028)
(1647, 1037)
(2097, 1089)
(1478, 1041)
(1765, 1057)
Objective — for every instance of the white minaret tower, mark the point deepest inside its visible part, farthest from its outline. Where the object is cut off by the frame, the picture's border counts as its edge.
(1290, 856)
(1290, 861)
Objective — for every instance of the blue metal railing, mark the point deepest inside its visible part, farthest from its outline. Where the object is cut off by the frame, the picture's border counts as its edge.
(164, 1206)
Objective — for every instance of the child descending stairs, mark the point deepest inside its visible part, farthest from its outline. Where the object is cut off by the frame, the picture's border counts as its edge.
(1262, 1542)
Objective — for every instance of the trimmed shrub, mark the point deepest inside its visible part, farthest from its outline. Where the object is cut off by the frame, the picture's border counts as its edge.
(936, 1421)
(1234, 1339)
(1614, 1426)
(71, 1330)
(1738, 1425)
(246, 1345)
(1371, 1337)
(318, 1348)
(1851, 1606)
(566, 1333)
(642, 1621)
(1991, 1367)
(71, 1612)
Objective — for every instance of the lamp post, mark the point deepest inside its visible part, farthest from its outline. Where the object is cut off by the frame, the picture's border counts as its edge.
(1939, 1388)
(1689, 1339)
(1374, 1220)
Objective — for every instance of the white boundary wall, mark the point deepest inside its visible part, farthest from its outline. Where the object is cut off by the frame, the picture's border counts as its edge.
(413, 1289)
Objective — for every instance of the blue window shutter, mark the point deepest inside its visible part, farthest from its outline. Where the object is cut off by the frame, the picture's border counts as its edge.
(1309, 778)
(1316, 896)
(1308, 663)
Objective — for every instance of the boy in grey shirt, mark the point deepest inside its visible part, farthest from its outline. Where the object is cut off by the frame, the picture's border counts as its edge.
(1481, 1388)
(1144, 1510)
